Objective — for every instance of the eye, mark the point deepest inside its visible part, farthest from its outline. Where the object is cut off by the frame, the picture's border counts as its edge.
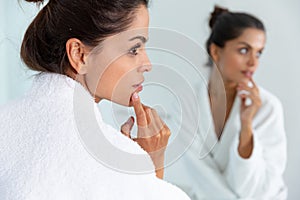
(134, 50)
(258, 54)
(243, 51)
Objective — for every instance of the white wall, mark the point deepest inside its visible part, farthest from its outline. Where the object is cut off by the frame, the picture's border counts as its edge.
(14, 19)
(278, 72)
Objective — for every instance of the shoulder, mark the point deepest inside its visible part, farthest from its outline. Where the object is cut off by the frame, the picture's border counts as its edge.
(166, 190)
(270, 114)
(270, 103)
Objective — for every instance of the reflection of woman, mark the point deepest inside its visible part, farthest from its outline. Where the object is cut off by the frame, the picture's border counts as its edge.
(247, 144)
(81, 44)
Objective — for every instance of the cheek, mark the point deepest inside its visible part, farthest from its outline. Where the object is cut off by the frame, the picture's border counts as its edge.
(233, 63)
(109, 81)
(116, 85)
(122, 90)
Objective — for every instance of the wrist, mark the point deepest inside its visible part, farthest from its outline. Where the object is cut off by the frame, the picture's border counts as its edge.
(246, 136)
(158, 159)
(246, 127)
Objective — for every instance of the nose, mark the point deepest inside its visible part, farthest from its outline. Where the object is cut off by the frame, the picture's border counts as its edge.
(146, 65)
(253, 60)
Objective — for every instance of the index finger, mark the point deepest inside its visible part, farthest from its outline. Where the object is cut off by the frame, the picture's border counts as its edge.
(141, 118)
(252, 81)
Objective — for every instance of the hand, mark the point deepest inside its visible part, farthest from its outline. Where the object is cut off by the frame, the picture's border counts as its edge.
(153, 134)
(248, 112)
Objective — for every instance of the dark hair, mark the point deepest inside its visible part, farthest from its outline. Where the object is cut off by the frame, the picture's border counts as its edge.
(91, 21)
(226, 25)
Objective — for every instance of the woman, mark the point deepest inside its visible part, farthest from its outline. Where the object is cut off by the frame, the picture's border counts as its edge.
(243, 154)
(85, 51)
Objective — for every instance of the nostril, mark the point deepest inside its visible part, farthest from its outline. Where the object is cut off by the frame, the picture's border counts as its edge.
(149, 68)
(144, 68)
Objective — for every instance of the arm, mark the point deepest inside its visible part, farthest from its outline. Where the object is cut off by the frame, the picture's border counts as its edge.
(258, 156)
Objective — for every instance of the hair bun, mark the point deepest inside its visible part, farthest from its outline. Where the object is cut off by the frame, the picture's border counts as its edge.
(215, 14)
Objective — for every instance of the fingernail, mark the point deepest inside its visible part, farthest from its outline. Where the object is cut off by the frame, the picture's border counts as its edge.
(250, 84)
(135, 96)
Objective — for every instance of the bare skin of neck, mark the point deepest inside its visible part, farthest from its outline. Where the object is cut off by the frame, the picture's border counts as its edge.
(222, 94)
(81, 79)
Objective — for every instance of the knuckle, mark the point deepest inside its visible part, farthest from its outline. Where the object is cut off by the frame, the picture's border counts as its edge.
(154, 111)
(157, 136)
(145, 107)
(166, 131)
(140, 116)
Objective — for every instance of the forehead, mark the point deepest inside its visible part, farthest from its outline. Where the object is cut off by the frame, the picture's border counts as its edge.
(141, 18)
(137, 29)
(139, 25)
(254, 37)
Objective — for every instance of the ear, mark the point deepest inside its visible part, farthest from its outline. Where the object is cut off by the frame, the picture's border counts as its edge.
(76, 53)
(215, 52)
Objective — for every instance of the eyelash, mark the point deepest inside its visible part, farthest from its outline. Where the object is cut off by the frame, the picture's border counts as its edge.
(258, 53)
(133, 50)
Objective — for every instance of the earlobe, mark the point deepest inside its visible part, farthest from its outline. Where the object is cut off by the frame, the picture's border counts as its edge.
(75, 52)
(214, 52)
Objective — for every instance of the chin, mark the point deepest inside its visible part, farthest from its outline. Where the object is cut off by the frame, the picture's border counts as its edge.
(123, 102)
(245, 79)
(130, 103)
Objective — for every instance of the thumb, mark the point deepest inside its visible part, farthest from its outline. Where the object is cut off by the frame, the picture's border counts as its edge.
(127, 126)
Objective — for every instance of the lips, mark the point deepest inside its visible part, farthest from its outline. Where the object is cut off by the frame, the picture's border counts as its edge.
(138, 87)
(248, 74)
(138, 84)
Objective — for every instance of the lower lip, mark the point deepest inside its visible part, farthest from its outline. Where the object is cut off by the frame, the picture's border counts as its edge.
(247, 74)
(139, 88)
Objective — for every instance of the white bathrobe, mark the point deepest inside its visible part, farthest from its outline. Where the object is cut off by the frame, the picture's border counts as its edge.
(42, 156)
(212, 169)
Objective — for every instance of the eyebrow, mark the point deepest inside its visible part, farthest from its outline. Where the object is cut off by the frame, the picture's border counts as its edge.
(142, 38)
(248, 45)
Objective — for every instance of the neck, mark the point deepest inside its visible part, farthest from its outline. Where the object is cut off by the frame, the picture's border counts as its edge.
(81, 79)
(230, 88)
(218, 85)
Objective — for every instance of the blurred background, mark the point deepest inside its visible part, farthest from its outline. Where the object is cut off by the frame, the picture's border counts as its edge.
(278, 72)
